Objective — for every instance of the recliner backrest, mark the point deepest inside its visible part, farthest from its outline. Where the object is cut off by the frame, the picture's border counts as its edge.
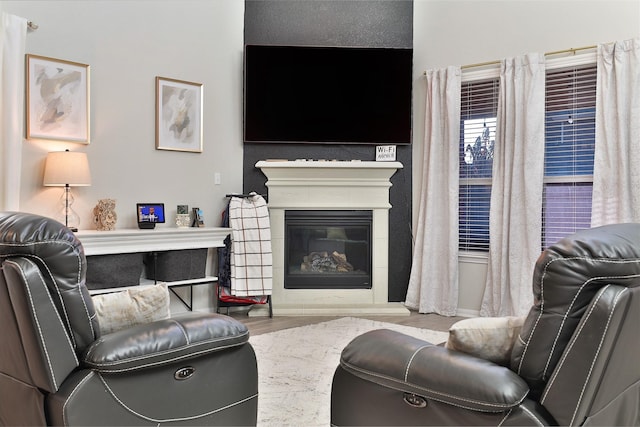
(38, 349)
(597, 379)
(567, 276)
(46, 314)
(60, 259)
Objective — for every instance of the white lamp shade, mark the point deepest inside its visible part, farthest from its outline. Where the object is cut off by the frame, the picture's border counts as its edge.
(67, 167)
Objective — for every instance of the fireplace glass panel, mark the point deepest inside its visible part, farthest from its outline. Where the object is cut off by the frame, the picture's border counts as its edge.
(328, 249)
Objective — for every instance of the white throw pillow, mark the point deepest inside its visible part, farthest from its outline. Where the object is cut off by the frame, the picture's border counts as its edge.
(123, 309)
(490, 338)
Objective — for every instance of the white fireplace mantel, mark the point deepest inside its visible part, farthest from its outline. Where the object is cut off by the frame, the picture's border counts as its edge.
(331, 185)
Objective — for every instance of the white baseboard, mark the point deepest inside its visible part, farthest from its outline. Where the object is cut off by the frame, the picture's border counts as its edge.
(464, 312)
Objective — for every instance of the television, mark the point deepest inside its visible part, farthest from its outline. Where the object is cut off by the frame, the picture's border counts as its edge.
(338, 95)
(149, 214)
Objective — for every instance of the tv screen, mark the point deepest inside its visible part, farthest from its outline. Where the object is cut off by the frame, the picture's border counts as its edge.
(327, 94)
(150, 212)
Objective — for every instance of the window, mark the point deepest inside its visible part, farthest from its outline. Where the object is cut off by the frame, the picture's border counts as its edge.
(570, 105)
(477, 139)
(569, 151)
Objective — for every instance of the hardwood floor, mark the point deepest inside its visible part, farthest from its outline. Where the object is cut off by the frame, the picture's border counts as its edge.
(263, 325)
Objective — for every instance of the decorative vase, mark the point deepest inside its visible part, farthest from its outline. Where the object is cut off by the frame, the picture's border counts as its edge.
(183, 220)
(104, 215)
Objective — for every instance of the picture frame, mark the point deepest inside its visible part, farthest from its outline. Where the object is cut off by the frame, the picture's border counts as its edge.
(198, 218)
(58, 100)
(178, 115)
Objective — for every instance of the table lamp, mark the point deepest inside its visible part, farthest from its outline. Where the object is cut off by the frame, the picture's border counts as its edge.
(67, 169)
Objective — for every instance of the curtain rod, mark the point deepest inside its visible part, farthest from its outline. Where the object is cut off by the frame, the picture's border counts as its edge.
(32, 25)
(555, 52)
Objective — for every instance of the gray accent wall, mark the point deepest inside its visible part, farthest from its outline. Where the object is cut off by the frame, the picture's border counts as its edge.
(361, 23)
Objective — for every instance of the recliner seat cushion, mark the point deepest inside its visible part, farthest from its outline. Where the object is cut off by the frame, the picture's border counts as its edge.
(184, 336)
(405, 363)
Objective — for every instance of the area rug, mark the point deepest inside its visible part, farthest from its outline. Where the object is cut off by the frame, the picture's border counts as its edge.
(295, 368)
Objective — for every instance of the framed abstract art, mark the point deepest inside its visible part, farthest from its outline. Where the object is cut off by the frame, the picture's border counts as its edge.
(57, 104)
(178, 115)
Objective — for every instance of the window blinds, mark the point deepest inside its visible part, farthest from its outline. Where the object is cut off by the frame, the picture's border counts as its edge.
(569, 149)
(479, 106)
(570, 103)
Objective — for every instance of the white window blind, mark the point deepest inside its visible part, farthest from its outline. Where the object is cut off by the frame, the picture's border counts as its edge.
(569, 150)
(479, 105)
(570, 103)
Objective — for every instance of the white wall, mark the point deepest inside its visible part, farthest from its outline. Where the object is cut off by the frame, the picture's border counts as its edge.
(127, 44)
(461, 32)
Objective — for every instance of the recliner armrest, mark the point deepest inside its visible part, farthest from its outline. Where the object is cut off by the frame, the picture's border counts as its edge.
(165, 341)
(411, 365)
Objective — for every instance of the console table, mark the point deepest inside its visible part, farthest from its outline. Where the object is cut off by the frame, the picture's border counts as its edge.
(160, 239)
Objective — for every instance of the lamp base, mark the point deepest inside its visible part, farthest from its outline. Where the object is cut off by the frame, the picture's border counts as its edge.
(66, 214)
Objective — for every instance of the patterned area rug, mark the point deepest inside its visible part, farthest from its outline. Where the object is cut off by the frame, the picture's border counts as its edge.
(295, 368)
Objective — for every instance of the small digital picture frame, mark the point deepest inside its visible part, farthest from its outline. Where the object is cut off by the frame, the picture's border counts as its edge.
(149, 214)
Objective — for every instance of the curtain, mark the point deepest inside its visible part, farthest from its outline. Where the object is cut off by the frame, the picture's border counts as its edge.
(433, 283)
(13, 32)
(616, 169)
(515, 222)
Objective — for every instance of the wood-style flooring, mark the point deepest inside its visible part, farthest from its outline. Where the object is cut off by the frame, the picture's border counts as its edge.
(263, 325)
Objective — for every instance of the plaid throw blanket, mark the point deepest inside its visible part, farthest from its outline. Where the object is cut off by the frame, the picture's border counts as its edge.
(251, 262)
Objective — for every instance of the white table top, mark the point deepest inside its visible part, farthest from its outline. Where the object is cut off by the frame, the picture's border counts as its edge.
(159, 239)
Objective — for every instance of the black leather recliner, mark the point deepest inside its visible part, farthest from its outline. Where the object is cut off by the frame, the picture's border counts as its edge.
(57, 369)
(577, 360)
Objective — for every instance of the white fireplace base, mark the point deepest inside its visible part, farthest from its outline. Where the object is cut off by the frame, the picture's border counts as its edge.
(387, 309)
(329, 185)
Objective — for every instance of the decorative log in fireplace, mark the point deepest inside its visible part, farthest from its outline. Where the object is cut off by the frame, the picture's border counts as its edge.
(328, 249)
(324, 262)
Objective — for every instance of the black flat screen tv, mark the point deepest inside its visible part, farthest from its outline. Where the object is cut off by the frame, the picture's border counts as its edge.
(335, 95)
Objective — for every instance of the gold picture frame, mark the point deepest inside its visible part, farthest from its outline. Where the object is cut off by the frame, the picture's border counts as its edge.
(178, 115)
(57, 104)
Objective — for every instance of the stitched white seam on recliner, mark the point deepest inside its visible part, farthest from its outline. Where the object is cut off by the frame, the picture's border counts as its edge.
(167, 420)
(433, 392)
(542, 299)
(163, 361)
(406, 371)
(69, 337)
(595, 358)
(62, 305)
(505, 417)
(523, 409)
(46, 266)
(73, 392)
(528, 340)
(542, 279)
(532, 415)
(561, 326)
(555, 341)
(184, 333)
(535, 325)
(37, 322)
(571, 343)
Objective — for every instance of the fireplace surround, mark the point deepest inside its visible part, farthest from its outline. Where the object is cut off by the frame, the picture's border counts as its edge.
(331, 186)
